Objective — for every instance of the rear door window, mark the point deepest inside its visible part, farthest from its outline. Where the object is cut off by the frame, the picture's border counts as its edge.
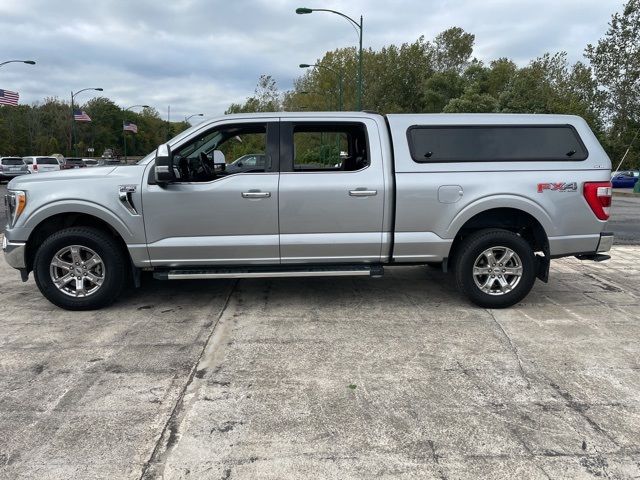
(480, 143)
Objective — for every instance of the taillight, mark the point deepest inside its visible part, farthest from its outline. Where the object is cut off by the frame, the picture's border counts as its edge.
(35, 166)
(598, 196)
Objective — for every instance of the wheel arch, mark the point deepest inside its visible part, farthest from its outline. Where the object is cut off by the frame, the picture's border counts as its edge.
(58, 221)
(512, 219)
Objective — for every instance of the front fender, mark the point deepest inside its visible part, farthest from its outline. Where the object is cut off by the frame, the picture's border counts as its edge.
(77, 206)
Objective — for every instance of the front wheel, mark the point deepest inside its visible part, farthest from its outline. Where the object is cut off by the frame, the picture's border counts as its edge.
(495, 268)
(80, 268)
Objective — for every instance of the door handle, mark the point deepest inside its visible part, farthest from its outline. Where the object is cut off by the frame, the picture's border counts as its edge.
(255, 194)
(361, 192)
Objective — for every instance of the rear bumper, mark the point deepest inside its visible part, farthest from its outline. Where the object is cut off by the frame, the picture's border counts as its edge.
(582, 246)
(604, 245)
(14, 253)
(606, 242)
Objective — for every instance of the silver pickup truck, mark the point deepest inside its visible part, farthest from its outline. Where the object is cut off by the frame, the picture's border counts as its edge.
(490, 197)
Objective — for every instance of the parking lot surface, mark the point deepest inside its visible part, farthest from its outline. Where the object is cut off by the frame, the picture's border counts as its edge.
(397, 377)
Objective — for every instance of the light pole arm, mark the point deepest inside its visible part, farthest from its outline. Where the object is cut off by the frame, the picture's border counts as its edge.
(30, 62)
(356, 24)
(80, 91)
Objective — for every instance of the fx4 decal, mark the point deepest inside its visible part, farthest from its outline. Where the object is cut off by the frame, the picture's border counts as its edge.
(558, 187)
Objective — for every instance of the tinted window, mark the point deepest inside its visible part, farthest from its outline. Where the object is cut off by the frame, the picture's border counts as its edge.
(495, 143)
(47, 161)
(12, 161)
(329, 147)
(74, 161)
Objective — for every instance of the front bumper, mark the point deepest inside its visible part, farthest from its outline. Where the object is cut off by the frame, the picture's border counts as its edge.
(14, 253)
(605, 243)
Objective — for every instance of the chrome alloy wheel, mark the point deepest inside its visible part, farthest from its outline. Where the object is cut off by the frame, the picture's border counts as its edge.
(77, 271)
(497, 270)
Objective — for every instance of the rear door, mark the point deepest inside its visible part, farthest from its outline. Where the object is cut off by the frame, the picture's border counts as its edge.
(331, 191)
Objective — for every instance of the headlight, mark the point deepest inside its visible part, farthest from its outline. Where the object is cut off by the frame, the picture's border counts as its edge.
(15, 201)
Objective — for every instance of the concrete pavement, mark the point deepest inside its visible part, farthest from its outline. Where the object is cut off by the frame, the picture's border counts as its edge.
(397, 377)
(625, 219)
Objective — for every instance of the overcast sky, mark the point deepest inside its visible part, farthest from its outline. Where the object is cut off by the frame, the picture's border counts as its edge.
(200, 55)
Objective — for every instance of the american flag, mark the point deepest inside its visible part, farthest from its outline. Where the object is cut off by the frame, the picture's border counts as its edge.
(9, 98)
(81, 116)
(130, 126)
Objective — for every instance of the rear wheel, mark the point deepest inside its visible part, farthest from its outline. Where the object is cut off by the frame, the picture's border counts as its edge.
(80, 268)
(495, 268)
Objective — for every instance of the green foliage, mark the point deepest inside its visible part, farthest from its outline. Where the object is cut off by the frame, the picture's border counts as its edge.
(43, 129)
(442, 76)
(616, 64)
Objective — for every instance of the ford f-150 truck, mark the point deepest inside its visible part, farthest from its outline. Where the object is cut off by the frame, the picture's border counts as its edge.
(491, 198)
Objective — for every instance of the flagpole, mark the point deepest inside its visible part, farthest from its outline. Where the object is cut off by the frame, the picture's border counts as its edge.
(73, 127)
(124, 132)
(73, 118)
(124, 140)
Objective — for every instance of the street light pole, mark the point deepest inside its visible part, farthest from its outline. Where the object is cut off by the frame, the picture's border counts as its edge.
(28, 62)
(124, 133)
(359, 28)
(73, 119)
(186, 119)
(337, 74)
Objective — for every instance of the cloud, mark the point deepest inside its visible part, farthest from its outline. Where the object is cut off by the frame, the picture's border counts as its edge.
(201, 55)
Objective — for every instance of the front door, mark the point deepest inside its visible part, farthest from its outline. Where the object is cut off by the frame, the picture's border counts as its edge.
(331, 192)
(212, 215)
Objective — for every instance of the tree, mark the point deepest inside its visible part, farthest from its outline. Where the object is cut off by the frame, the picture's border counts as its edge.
(452, 49)
(616, 63)
(266, 98)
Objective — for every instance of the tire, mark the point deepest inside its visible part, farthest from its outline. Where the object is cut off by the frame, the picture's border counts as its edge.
(104, 276)
(505, 288)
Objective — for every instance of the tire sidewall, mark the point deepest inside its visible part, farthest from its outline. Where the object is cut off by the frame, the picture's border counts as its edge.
(97, 241)
(496, 238)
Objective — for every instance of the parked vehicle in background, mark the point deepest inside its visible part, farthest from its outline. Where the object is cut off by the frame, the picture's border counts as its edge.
(41, 164)
(90, 162)
(492, 198)
(247, 163)
(71, 162)
(626, 179)
(12, 167)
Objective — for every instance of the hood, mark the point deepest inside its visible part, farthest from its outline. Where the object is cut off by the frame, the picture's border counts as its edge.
(61, 176)
(75, 175)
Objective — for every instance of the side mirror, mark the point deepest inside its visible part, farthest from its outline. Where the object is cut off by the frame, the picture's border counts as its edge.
(164, 168)
(218, 158)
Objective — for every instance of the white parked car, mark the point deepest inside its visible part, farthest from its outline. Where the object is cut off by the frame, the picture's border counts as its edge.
(41, 164)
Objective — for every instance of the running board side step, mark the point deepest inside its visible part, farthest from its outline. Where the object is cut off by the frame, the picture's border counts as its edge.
(273, 272)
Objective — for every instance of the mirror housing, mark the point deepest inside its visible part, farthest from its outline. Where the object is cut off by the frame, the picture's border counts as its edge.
(164, 168)
(218, 158)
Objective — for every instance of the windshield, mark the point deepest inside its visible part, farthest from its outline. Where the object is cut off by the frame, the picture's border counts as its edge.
(73, 161)
(12, 161)
(146, 158)
(173, 141)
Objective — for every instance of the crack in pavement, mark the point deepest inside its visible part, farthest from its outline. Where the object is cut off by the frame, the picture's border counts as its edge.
(168, 436)
(512, 347)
